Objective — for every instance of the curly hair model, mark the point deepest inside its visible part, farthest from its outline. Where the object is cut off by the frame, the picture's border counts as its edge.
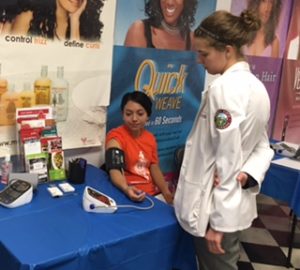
(228, 146)
(265, 43)
(168, 25)
(60, 19)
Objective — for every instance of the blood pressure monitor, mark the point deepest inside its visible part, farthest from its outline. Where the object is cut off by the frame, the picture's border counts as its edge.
(96, 201)
(17, 193)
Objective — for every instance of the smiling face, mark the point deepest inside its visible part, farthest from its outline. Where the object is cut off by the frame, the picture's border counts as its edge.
(135, 117)
(171, 10)
(265, 9)
(69, 5)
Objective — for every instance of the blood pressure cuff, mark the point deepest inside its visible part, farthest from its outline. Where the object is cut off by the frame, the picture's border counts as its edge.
(114, 159)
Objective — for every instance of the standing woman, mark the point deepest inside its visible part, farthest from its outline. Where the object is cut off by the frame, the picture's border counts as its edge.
(265, 42)
(60, 19)
(131, 152)
(229, 137)
(168, 25)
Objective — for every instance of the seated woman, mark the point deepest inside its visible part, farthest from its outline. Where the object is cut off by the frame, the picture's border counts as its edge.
(131, 152)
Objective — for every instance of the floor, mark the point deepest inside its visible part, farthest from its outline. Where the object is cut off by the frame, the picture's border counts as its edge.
(265, 244)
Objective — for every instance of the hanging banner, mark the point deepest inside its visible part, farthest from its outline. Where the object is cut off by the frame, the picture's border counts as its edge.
(266, 50)
(287, 122)
(64, 61)
(293, 39)
(173, 81)
(268, 70)
(148, 55)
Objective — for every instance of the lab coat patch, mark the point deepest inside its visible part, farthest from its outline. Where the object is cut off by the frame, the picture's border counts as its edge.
(222, 119)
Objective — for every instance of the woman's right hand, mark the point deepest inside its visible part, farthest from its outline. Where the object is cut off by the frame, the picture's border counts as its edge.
(135, 194)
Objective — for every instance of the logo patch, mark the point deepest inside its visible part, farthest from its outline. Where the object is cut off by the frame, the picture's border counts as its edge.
(222, 119)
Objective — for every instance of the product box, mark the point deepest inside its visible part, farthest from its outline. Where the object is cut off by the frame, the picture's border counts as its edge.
(56, 159)
(37, 163)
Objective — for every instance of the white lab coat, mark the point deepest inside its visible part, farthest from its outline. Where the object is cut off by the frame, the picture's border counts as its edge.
(241, 146)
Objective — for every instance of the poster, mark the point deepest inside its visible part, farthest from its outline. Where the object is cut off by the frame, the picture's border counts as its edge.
(269, 72)
(164, 57)
(287, 122)
(270, 39)
(173, 107)
(293, 45)
(136, 9)
(79, 49)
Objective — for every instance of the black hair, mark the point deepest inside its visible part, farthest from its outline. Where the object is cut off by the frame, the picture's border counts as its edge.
(44, 19)
(186, 20)
(8, 10)
(140, 98)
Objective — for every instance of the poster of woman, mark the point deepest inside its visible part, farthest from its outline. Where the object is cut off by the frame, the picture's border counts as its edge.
(36, 61)
(159, 24)
(274, 15)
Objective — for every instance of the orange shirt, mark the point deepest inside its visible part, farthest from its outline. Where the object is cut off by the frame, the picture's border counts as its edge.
(140, 153)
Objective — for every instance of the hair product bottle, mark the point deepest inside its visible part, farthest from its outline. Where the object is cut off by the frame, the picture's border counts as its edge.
(42, 88)
(59, 96)
(27, 97)
(3, 83)
(10, 101)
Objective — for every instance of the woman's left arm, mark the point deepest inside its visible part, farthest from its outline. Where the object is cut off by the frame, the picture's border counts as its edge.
(75, 21)
(159, 180)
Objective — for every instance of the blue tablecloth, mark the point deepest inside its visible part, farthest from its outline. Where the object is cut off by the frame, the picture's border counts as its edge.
(57, 234)
(283, 183)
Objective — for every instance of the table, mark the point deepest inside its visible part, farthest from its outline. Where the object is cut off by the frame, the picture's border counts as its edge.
(57, 234)
(283, 183)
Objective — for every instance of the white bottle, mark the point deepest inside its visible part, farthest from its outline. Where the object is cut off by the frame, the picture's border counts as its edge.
(59, 96)
(6, 168)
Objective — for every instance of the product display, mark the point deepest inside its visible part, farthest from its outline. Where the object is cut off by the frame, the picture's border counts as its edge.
(39, 144)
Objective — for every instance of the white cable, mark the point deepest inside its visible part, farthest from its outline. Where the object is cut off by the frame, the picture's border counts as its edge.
(138, 207)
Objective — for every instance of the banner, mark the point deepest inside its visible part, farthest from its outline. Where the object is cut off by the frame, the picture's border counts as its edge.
(158, 59)
(62, 61)
(173, 81)
(268, 70)
(293, 45)
(287, 122)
